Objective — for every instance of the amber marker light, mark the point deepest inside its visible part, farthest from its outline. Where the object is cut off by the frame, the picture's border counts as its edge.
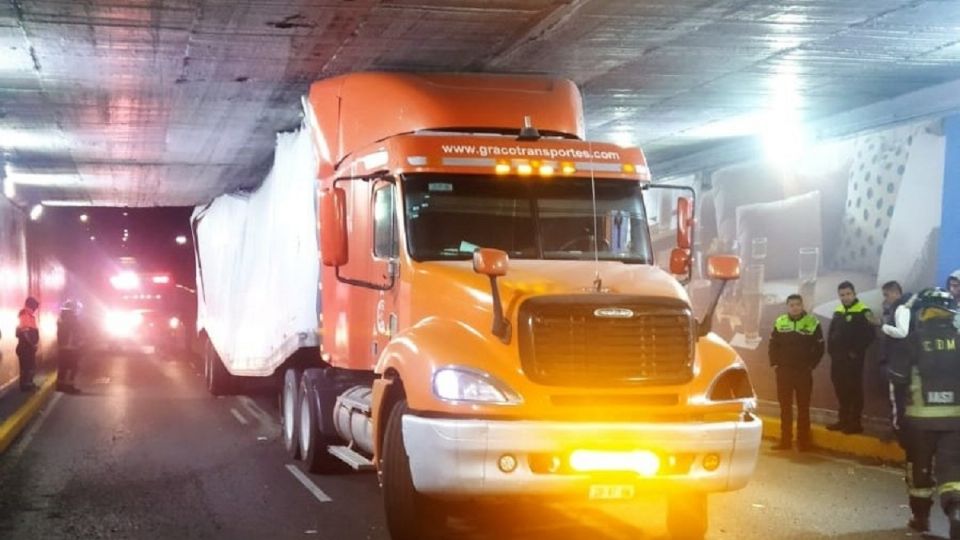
(524, 169)
(568, 169)
(546, 170)
(629, 168)
(502, 168)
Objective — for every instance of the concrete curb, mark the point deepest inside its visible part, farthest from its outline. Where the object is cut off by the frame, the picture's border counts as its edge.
(17, 421)
(863, 446)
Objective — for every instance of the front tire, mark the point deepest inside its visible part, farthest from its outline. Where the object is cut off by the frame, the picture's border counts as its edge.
(410, 515)
(687, 516)
(290, 411)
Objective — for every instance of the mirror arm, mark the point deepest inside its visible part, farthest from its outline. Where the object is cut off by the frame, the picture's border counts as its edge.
(501, 326)
(706, 324)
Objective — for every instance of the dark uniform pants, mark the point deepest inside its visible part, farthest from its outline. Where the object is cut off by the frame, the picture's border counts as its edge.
(794, 381)
(28, 366)
(847, 377)
(66, 366)
(926, 448)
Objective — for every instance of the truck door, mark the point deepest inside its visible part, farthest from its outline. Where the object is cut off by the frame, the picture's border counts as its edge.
(386, 246)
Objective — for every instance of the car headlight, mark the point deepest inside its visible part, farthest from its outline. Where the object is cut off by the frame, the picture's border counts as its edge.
(464, 384)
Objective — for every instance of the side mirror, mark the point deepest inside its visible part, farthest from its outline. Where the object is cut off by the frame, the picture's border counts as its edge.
(490, 262)
(723, 267)
(684, 223)
(680, 260)
(333, 227)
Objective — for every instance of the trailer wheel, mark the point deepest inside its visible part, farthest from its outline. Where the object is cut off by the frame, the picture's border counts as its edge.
(217, 377)
(290, 411)
(313, 445)
(410, 515)
(687, 516)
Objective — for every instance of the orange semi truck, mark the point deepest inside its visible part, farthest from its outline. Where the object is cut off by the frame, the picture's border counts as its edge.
(457, 290)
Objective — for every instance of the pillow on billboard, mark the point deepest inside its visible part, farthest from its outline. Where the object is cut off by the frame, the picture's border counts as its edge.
(906, 253)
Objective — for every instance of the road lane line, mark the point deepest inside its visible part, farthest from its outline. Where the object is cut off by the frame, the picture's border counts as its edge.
(307, 483)
(256, 411)
(236, 414)
(32, 432)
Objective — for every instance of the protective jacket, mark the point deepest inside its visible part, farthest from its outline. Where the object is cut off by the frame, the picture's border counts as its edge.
(796, 343)
(850, 331)
(935, 375)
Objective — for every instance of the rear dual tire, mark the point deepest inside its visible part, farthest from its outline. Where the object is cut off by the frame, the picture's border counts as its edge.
(218, 380)
(313, 444)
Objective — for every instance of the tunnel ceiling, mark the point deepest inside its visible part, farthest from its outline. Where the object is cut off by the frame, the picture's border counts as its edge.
(171, 102)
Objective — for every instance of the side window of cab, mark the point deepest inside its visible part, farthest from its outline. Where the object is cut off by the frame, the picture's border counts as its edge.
(385, 244)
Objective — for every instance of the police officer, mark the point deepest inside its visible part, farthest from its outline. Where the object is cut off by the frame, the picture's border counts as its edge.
(851, 332)
(28, 341)
(932, 417)
(796, 347)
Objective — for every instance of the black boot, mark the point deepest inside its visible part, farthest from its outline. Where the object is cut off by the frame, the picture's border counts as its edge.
(920, 507)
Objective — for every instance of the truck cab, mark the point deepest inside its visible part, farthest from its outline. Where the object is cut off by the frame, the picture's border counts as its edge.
(498, 282)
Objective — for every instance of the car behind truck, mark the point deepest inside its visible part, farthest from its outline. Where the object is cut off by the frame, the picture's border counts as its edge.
(455, 289)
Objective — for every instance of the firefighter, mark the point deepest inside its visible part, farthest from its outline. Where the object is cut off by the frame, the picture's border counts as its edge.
(28, 341)
(932, 417)
(851, 332)
(69, 343)
(796, 347)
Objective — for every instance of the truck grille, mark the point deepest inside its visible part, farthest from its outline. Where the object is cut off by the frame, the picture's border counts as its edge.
(563, 341)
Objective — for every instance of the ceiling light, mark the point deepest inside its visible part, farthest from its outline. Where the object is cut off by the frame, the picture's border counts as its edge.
(181, 240)
(84, 218)
(36, 212)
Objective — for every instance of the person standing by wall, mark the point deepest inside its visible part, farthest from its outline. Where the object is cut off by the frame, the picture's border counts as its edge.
(851, 332)
(953, 285)
(796, 348)
(895, 348)
(70, 341)
(28, 340)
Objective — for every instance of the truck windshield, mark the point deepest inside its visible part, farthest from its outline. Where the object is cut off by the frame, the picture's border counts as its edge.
(448, 217)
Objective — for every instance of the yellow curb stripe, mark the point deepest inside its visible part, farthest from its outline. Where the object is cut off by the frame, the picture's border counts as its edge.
(12, 426)
(834, 441)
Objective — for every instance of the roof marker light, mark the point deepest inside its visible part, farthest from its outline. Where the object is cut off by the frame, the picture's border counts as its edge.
(524, 169)
(502, 168)
(568, 169)
(546, 170)
(629, 168)
(417, 161)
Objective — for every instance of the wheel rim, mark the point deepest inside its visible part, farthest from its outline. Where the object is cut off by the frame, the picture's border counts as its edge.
(305, 434)
(289, 413)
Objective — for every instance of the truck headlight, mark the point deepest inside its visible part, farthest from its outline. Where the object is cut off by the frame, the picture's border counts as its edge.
(464, 384)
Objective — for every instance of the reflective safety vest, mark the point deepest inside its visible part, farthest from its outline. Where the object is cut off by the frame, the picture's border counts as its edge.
(935, 381)
(806, 325)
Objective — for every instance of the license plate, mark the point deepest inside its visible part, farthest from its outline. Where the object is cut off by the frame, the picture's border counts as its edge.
(607, 492)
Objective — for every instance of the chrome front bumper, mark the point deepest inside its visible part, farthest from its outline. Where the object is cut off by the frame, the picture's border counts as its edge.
(459, 458)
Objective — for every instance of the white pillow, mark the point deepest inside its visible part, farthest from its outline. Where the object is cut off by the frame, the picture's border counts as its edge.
(915, 215)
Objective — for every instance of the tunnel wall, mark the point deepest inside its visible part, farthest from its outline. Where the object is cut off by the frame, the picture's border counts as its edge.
(27, 267)
(864, 209)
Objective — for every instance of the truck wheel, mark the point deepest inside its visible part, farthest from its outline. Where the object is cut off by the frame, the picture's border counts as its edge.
(290, 411)
(217, 377)
(410, 515)
(687, 516)
(313, 445)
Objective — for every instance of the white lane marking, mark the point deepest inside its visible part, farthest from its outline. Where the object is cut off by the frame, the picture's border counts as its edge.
(255, 410)
(236, 414)
(32, 432)
(307, 483)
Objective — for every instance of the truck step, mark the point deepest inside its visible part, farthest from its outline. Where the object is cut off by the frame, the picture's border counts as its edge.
(357, 461)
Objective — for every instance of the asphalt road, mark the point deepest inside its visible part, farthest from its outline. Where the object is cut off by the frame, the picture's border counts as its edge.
(144, 452)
